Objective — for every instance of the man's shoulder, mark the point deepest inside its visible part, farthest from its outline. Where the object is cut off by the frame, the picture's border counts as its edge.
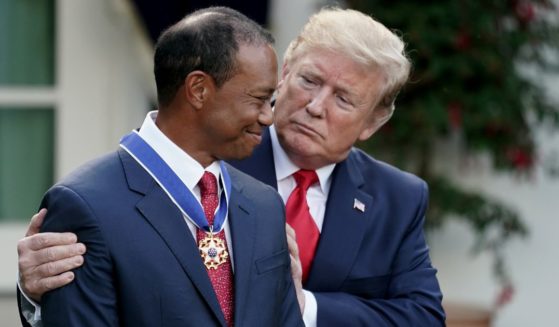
(94, 189)
(103, 171)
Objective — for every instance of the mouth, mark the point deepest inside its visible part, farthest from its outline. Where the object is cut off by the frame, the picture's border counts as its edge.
(306, 129)
(256, 136)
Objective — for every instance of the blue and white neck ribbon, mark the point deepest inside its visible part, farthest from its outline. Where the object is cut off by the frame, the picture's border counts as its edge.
(177, 191)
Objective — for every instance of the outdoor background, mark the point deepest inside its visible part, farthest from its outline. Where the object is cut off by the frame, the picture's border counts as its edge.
(75, 75)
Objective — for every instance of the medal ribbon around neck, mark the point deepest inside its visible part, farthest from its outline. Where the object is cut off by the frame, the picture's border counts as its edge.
(181, 196)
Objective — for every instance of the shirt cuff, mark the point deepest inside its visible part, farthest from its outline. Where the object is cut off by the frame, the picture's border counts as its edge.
(30, 310)
(311, 309)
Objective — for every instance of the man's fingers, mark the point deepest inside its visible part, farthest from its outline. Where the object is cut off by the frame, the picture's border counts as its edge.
(45, 240)
(54, 268)
(296, 269)
(57, 253)
(36, 280)
(36, 222)
(289, 231)
(29, 260)
(291, 241)
(293, 248)
(36, 289)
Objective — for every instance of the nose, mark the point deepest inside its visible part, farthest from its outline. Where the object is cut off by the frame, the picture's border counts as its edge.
(266, 116)
(317, 104)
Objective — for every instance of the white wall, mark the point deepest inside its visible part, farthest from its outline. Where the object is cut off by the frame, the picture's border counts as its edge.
(287, 17)
(533, 262)
(104, 88)
(105, 78)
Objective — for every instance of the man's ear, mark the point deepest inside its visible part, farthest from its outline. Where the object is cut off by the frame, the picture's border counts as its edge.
(197, 88)
(284, 73)
(379, 117)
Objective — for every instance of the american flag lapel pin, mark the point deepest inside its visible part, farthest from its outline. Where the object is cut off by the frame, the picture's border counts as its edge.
(358, 205)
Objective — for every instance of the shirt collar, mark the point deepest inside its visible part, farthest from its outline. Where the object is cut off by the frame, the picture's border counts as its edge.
(187, 168)
(285, 167)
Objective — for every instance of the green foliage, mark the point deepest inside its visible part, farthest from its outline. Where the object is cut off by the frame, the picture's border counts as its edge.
(469, 58)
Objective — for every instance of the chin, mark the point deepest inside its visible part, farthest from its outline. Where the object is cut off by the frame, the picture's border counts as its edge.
(301, 144)
(243, 154)
(301, 151)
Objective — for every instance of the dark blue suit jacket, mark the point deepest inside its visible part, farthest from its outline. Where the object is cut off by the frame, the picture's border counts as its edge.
(142, 266)
(371, 268)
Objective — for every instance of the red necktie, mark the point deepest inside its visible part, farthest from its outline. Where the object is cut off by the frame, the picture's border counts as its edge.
(300, 219)
(222, 277)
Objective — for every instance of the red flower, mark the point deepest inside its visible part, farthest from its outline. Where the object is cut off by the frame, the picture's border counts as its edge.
(525, 11)
(462, 41)
(454, 111)
(520, 158)
(505, 296)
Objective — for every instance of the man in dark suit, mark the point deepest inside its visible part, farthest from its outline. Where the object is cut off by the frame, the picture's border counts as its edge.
(369, 264)
(363, 257)
(174, 236)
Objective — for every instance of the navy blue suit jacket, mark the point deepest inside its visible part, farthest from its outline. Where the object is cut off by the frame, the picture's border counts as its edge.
(142, 266)
(371, 268)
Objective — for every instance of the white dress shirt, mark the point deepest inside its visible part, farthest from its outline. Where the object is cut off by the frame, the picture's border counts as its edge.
(187, 169)
(317, 195)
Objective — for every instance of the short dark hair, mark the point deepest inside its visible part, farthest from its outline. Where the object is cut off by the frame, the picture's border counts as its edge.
(206, 40)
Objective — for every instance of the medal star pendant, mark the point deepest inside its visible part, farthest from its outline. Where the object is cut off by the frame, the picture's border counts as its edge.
(213, 251)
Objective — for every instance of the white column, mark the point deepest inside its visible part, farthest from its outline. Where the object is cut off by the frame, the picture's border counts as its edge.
(104, 78)
(287, 17)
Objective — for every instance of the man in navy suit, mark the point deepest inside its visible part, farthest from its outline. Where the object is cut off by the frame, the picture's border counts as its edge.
(174, 236)
(369, 265)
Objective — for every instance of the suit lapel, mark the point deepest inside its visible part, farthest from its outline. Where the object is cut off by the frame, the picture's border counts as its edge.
(343, 229)
(344, 226)
(167, 220)
(243, 230)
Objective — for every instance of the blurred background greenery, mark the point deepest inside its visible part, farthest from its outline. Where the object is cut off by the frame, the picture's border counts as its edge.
(472, 82)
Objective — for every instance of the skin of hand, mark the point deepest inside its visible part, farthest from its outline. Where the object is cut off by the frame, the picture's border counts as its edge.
(296, 270)
(45, 259)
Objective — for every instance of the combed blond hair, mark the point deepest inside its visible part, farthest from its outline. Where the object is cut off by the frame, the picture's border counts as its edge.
(362, 39)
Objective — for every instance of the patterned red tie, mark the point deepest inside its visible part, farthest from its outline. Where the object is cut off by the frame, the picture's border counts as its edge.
(300, 219)
(222, 277)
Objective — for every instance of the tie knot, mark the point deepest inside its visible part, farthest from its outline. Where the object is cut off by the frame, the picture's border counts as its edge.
(305, 178)
(207, 184)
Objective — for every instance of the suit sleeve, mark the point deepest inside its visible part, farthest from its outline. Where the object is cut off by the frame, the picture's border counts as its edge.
(90, 300)
(413, 296)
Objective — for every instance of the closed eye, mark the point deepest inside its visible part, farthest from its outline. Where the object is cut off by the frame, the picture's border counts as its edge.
(344, 102)
(306, 81)
(264, 98)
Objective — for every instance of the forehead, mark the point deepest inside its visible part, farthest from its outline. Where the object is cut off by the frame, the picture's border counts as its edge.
(341, 72)
(256, 67)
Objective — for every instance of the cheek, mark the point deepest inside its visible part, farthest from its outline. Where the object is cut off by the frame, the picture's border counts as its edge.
(298, 96)
(343, 133)
(290, 105)
(244, 115)
(279, 116)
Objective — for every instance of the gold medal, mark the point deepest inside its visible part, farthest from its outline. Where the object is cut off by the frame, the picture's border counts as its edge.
(213, 251)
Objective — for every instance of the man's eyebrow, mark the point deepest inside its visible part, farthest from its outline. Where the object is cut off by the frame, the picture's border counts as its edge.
(266, 90)
(345, 90)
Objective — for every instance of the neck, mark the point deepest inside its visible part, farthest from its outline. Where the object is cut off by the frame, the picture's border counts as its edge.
(179, 131)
